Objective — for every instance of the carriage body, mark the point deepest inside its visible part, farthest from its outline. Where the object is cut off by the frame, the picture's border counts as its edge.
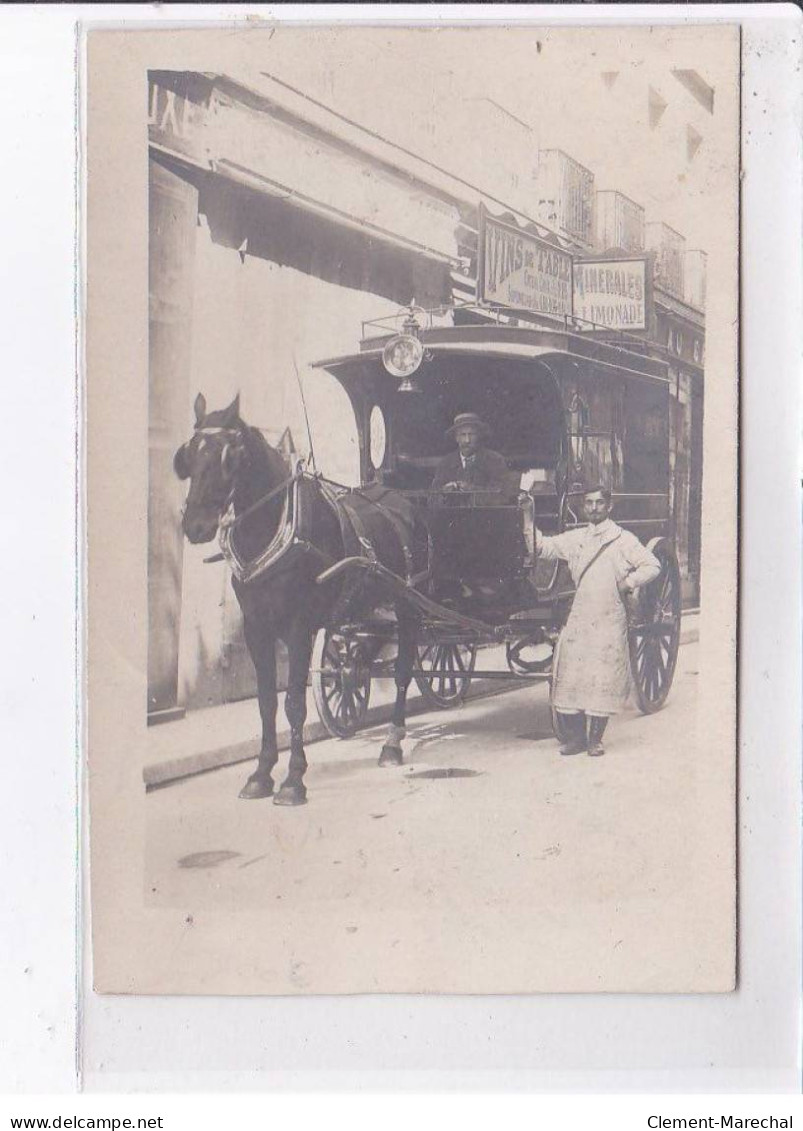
(564, 409)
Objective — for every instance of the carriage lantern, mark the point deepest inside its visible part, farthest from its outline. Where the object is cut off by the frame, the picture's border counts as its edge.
(403, 354)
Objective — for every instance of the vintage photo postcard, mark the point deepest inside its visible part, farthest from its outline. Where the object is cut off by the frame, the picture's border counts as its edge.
(411, 468)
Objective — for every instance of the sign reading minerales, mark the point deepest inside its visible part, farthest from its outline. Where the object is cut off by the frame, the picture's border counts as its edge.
(609, 294)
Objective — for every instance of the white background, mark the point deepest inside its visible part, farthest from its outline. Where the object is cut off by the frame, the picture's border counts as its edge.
(748, 1041)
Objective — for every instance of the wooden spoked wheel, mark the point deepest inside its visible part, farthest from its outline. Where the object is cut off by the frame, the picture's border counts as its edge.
(341, 682)
(655, 631)
(446, 665)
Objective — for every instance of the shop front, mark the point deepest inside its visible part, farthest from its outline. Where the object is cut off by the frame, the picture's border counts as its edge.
(270, 243)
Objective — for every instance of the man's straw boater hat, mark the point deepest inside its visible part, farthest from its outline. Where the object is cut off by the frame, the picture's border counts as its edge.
(468, 420)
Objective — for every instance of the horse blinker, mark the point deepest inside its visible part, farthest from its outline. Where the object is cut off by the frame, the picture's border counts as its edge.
(181, 462)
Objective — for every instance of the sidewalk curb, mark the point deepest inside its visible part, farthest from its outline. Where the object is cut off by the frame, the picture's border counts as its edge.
(174, 769)
(163, 773)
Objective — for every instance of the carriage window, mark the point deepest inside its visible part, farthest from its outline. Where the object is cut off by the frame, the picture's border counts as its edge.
(578, 428)
(378, 436)
(519, 402)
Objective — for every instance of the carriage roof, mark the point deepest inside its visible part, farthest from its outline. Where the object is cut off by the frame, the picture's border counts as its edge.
(533, 385)
(612, 357)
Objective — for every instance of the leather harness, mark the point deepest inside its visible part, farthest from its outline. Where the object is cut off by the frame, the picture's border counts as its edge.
(352, 527)
(351, 522)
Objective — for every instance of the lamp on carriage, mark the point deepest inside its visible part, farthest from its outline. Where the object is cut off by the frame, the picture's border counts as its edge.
(403, 354)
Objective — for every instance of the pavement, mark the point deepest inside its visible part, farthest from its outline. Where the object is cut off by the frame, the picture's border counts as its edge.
(226, 735)
(487, 863)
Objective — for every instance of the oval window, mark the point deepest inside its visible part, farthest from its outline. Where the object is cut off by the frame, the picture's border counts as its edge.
(378, 436)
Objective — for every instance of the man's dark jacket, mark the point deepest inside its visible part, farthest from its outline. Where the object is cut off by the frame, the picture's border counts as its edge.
(488, 471)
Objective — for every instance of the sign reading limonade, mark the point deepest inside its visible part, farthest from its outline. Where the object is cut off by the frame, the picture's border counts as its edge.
(610, 293)
(521, 271)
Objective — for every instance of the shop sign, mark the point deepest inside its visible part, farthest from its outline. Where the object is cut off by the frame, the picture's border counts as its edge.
(610, 293)
(522, 272)
(174, 121)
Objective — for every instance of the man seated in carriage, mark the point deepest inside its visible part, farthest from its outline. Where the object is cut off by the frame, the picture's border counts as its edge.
(476, 548)
(473, 467)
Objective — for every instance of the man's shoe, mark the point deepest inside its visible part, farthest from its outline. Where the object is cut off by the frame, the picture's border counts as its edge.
(574, 728)
(596, 729)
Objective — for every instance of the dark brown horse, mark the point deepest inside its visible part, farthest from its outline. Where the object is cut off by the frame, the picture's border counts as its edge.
(281, 528)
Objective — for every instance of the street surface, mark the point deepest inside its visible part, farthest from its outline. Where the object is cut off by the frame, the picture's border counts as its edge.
(487, 860)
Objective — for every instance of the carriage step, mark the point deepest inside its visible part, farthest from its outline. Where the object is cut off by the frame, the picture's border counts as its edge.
(542, 614)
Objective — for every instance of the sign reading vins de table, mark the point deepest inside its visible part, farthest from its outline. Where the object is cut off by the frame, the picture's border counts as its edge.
(521, 271)
(610, 293)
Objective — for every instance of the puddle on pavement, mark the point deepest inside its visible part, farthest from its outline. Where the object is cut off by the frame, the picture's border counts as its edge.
(446, 772)
(207, 859)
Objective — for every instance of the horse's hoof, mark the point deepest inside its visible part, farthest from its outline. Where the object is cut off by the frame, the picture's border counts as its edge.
(256, 788)
(391, 756)
(291, 795)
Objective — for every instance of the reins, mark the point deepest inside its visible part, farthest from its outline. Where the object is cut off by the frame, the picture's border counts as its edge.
(260, 502)
(334, 493)
(285, 483)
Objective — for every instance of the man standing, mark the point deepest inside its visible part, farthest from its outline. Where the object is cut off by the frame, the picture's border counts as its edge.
(473, 467)
(591, 674)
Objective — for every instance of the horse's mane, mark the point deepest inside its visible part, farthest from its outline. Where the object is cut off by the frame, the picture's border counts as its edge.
(262, 454)
(264, 468)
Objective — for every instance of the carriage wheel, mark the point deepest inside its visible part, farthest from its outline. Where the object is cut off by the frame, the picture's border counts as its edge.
(341, 682)
(445, 684)
(655, 633)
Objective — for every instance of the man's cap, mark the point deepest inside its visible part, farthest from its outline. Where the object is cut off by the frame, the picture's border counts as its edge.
(468, 420)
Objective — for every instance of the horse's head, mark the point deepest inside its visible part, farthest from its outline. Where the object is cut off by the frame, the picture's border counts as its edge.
(210, 460)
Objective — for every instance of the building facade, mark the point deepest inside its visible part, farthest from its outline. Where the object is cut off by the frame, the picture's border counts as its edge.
(277, 227)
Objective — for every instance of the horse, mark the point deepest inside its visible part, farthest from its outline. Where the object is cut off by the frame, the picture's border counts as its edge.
(280, 528)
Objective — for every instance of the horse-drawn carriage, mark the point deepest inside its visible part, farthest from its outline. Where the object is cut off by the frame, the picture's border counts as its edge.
(396, 578)
(563, 409)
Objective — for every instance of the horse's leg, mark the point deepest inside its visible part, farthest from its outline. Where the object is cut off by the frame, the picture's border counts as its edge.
(262, 646)
(392, 753)
(299, 648)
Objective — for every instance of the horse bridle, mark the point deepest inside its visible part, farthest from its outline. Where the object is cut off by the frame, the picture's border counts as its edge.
(234, 434)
